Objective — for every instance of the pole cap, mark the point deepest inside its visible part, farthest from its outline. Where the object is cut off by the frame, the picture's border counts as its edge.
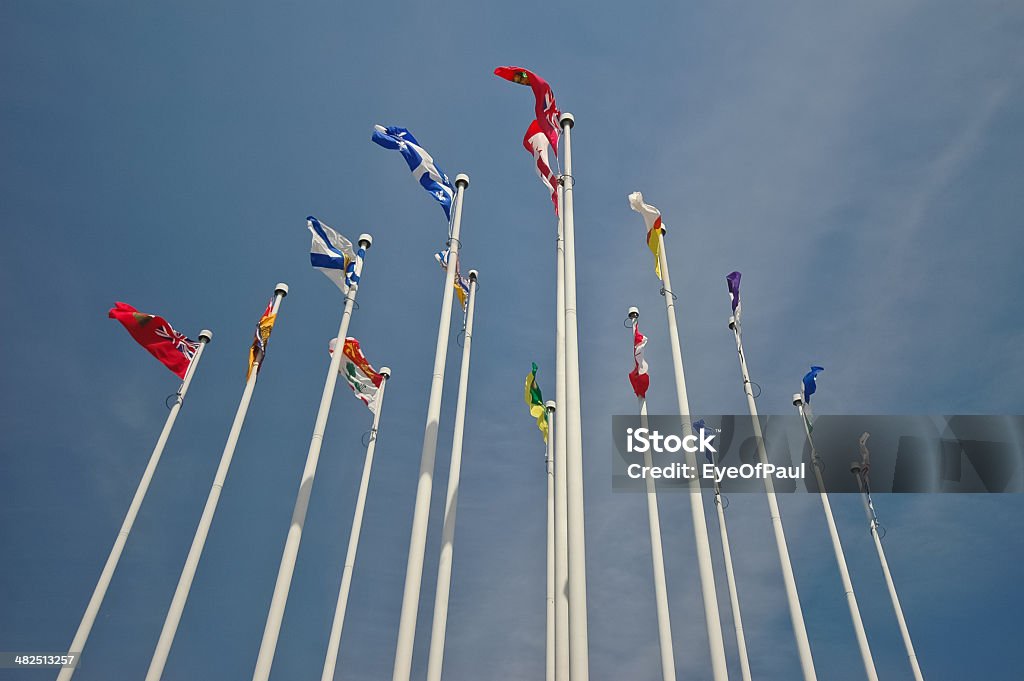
(855, 467)
(550, 404)
(367, 238)
(205, 336)
(633, 313)
(463, 179)
(385, 372)
(473, 275)
(732, 322)
(281, 288)
(798, 400)
(567, 118)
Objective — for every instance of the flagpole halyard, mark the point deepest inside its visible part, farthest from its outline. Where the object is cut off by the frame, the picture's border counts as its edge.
(421, 509)
(796, 615)
(334, 639)
(837, 548)
(100, 591)
(706, 573)
(435, 659)
(279, 600)
(579, 655)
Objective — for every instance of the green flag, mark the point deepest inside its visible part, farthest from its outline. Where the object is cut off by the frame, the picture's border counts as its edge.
(536, 402)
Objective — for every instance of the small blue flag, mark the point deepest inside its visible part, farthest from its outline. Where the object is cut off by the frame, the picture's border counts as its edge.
(422, 165)
(698, 426)
(810, 383)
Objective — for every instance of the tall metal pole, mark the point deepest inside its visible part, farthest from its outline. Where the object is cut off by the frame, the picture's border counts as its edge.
(435, 659)
(549, 611)
(796, 615)
(560, 444)
(91, 610)
(873, 523)
(421, 511)
(730, 578)
(579, 656)
(837, 547)
(188, 572)
(291, 546)
(700, 530)
(334, 640)
(668, 663)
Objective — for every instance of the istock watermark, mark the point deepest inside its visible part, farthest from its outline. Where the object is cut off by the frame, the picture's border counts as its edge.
(920, 453)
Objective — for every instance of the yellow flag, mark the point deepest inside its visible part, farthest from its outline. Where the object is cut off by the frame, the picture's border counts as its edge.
(536, 402)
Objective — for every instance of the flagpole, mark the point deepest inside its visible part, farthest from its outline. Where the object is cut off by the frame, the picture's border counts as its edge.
(712, 619)
(869, 508)
(435, 658)
(279, 600)
(837, 547)
(560, 443)
(188, 572)
(334, 641)
(549, 464)
(796, 615)
(91, 610)
(579, 656)
(421, 511)
(668, 663)
(730, 578)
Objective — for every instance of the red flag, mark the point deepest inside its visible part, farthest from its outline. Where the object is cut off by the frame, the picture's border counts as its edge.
(546, 109)
(638, 376)
(537, 144)
(152, 332)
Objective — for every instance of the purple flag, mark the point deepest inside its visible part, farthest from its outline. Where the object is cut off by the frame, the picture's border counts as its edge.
(732, 280)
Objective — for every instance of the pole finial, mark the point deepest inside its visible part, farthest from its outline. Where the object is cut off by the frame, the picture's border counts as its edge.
(732, 322)
(385, 372)
(633, 313)
(798, 400)
(567, 118)
(367, 238)
(205, 336)
(463, 179)
(550, 404)
(474, 275)
(281, 288)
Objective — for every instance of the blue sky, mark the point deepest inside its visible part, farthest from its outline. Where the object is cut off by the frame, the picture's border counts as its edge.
(858, 163)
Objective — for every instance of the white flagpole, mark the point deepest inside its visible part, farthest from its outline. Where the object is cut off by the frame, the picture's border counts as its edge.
(579, 656)
(709, 595)
(560, 443)
(873, 523)
(421, 511)
(188, 572)
(796, 615)
(549, 464)
(668, 662)
(334, 641)
(91, 610)
(279, 600)
(730, 578)
(837, 547)
(435, 659)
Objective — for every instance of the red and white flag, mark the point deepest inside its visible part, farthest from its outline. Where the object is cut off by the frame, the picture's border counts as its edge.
(638, 376)
(174, 350)
(537, 143)
(546, 110)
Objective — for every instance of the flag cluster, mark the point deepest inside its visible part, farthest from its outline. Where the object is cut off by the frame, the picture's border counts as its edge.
(422, 165)
(460, 283)
(362, 378)
(652, 220)
(332, 254)
(638, 376)
(535, 401)
(174, 350)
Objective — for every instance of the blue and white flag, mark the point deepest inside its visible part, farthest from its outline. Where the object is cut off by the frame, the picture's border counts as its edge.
(460, 283)
(422, 165)
(700, 425)
(332, 254)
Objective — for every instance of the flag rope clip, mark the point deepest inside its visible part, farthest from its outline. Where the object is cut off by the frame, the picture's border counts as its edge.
(570, 178)
(450, 240)
(722, 499)
(368, 436)
(177, 400)
(665, 290)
